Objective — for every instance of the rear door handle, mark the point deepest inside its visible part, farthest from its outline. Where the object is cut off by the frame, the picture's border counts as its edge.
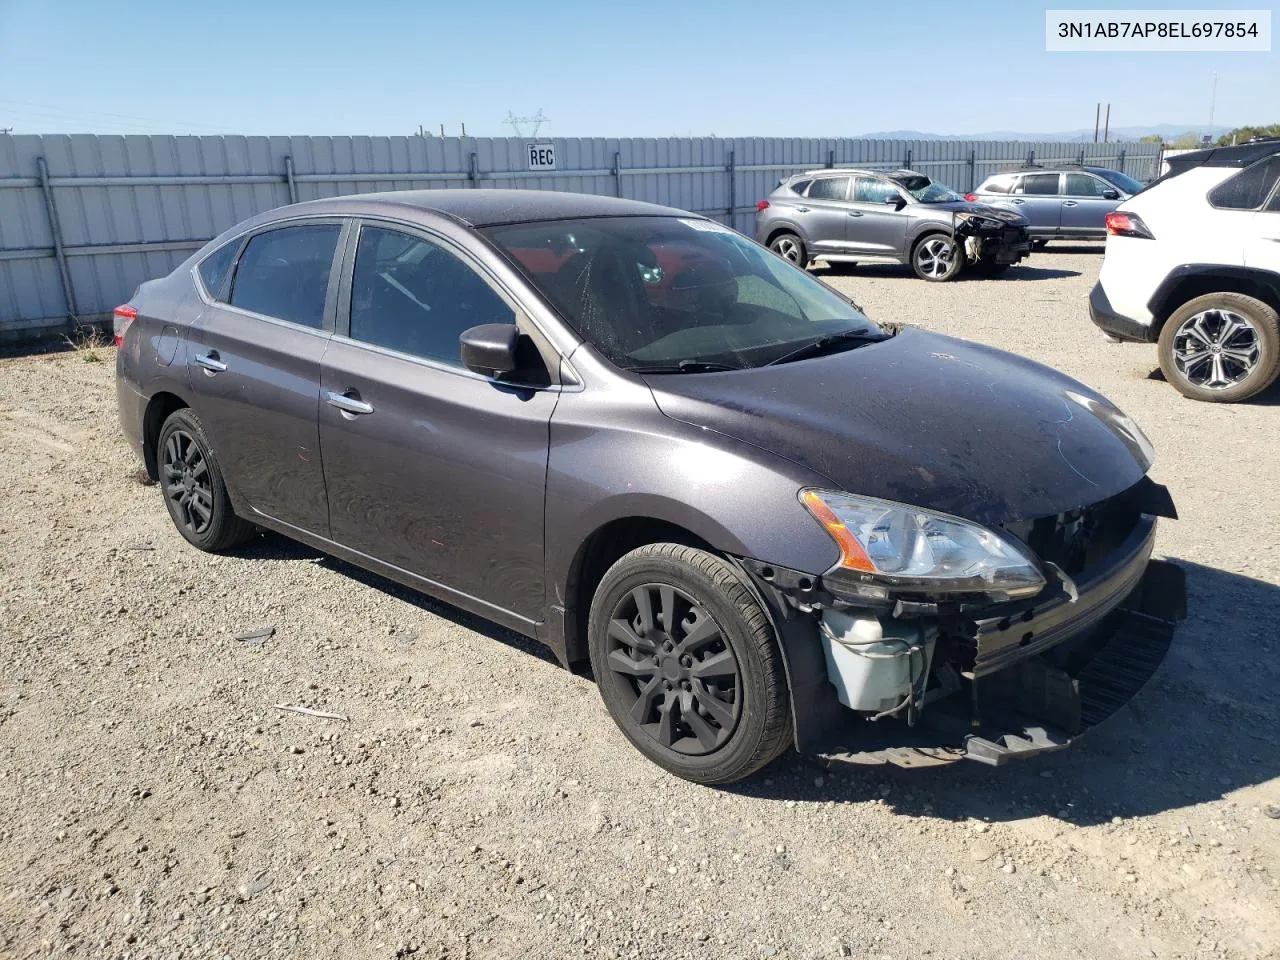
(1069, 203)
(855, 213)
(802, 209)
(1018, 201)
(211, 364)
(349, 406)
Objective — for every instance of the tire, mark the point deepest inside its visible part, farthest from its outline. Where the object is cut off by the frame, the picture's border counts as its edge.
(1222, 347)
(706, 699)
(194, 491)
(937, 257)
(791, 248)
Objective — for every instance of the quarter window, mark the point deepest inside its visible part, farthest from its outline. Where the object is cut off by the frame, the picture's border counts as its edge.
(800, 186)
(1040, 184)
(414, 296)
(1083, 185)
(1249, 188)
(284, 273)
(830, 188)
(215, 269)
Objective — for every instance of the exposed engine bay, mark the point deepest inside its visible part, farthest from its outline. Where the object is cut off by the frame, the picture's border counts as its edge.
(992, 238)
(914, 678)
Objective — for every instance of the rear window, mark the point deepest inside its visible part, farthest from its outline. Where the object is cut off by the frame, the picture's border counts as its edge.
(285, 273)
(1248, 189)
(800, 186)
(215, 269)
(1040, 184)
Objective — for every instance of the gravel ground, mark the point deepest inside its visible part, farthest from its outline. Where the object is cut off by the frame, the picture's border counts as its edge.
(479, 804)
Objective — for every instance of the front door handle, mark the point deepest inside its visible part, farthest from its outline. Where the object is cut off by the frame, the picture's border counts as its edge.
(1069, 203)
(349, 406)
(1019, 201)
(855, 213)
(211, 364)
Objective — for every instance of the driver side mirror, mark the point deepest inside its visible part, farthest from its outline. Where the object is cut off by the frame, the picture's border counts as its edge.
(896, 202)
(490, 349)
(1110, 194)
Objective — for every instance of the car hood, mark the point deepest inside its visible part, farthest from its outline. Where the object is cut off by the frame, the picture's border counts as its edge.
(927, 420)
(982, 209)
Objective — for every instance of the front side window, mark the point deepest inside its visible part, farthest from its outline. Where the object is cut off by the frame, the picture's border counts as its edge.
(677, 294)
(1122, 181)
(867, 190)
(417, 297)
(1083, 185)
(830, 188)
(1040, 184)
(215, 269)
(284, 273)
(1248, 189)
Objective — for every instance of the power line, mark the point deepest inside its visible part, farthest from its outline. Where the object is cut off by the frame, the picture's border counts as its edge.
(78, 114)
(538, 119)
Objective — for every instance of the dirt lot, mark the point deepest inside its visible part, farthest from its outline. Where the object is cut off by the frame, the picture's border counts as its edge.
(479, 804)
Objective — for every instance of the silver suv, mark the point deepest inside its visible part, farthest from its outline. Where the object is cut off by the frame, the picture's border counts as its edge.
(1064, 203)
(857, 216)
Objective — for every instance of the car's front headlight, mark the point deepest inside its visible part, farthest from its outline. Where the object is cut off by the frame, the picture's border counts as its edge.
(912, 550)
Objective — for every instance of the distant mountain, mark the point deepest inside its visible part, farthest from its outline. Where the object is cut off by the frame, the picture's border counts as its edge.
(1169, 131)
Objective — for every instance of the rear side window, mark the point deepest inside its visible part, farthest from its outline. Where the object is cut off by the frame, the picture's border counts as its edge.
(800, 186)
(1248, 189)
(1083, 185)
(997, 185)
(285, 273)
(830, 188)
(1040, 184)
(215, 269)
(416, 297)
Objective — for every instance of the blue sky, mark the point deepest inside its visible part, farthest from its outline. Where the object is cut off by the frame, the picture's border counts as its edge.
(603, 68)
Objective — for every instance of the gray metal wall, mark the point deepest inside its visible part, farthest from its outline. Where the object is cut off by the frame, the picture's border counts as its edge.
(130, 208)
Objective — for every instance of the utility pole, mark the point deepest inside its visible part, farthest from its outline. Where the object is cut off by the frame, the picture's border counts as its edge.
(1097, 115)
(4, 130)
(1213, 102)
(464, 129)
(1106, 124)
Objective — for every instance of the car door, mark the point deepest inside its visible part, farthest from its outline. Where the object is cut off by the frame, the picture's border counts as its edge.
(254, 369)
(1036, 198)
(431, 468)
(1085, 204)
(877, 225)
(824, 214)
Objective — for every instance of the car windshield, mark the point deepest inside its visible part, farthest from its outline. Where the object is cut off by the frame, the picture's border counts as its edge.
(926, 190)
(680, 295)
(1122, 180)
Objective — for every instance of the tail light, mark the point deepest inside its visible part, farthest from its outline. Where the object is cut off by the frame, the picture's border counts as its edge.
(121, 317)
(762, 205)
(971, 197)
(1127, 225)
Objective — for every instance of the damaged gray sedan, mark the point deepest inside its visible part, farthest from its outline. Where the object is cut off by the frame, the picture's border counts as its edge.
(638, 437)
(861, 216)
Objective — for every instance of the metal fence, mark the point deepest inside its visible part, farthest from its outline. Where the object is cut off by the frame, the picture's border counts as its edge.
(85, 219)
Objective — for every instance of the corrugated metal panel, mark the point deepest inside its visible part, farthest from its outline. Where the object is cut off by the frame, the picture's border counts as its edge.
(179, 191)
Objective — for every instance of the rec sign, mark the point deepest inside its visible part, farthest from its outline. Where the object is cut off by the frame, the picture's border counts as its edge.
(542, 156)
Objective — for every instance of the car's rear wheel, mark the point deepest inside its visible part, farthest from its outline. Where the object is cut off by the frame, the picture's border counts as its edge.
(1222, 347)
(937, 258)
(194, 491)
(687, 664)
(791, 248)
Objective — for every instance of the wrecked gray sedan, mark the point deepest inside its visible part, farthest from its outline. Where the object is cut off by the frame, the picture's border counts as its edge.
(644, 440)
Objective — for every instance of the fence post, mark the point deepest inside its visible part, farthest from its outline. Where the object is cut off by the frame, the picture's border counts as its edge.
(1082, 156)
(1031, 157)
(472, 173)
(617, 173)
(973, 160)
(59, 251)
(831, 159)
(732, 193)
(1122, 160)
(907, 165)
(288, 176)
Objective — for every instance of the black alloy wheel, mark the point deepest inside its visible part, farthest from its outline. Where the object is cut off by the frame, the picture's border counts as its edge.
(194, 491)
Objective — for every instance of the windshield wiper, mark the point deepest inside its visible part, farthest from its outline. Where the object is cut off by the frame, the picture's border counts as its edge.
(823, 344)
(687, 366)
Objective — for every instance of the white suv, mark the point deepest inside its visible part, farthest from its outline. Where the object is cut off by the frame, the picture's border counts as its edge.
(1193, 264)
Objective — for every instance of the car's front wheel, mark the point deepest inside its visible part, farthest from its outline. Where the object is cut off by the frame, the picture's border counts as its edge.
(687, 664)
(1222, 347)
(791, 248)
(937, 258)
(193, 488)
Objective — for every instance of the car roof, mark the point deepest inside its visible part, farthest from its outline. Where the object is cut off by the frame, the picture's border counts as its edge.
(844, 172)
(485, 208)
(1240, 155)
